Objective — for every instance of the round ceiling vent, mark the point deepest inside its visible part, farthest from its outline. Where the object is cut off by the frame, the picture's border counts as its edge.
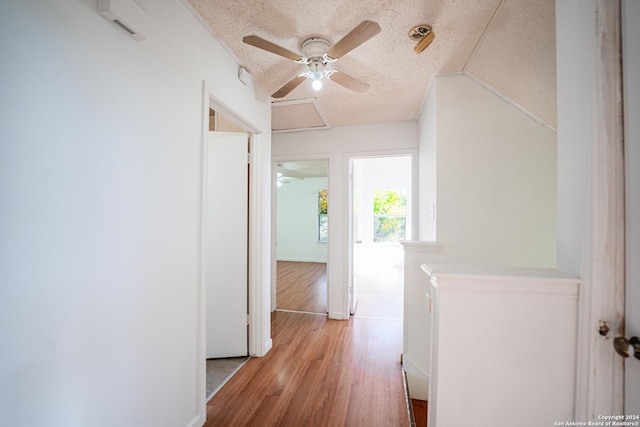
(419, 31)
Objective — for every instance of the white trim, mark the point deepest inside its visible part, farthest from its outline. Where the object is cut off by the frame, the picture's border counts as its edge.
(229, 114)
(201, 295)
(509, 285)
(599, 385)
(631, 87)
(314, 260)
(607, 226)
(338, 315)
(417, 378)
(259, 297)
(422, 245)
(198, 421)
(301, 312)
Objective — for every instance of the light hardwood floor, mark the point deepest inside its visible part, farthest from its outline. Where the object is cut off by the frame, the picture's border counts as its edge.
(302, 286)
(320, 372)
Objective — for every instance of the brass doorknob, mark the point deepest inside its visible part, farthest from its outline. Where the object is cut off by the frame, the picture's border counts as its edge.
(626, 347)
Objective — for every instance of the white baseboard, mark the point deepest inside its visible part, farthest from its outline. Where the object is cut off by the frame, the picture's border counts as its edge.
(197, 421)
(323, 261)
(417, 378)
(338, 315)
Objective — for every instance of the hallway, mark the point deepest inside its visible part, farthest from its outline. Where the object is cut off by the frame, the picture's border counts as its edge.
(320, 372)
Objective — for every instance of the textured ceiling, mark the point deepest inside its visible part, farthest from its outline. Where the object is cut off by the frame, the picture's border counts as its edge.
(508, 44)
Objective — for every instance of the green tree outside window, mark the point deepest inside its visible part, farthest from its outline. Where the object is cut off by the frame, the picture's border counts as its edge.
(389, 215)
(323, 218)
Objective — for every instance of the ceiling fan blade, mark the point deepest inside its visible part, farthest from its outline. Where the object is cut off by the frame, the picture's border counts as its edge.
(270, 47)
(360, 34)
(349, 82)
(284, 90)
(292, 175)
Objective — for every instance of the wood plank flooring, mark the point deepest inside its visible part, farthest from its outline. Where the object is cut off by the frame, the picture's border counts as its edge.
(420, 412)
(320, 372)
(301, 286)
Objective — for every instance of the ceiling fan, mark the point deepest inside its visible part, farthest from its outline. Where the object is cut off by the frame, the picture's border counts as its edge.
(317, 52)
(285, 176)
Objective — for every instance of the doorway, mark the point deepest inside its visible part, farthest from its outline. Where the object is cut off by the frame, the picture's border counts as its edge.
(226, 234)
(380, 208)
(301, 235)
(258, 318)
(227, 214)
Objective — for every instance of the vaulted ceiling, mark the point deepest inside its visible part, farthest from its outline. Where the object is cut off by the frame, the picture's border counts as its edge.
(507, 44)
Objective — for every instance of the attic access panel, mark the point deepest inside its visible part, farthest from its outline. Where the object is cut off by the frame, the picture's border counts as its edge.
(299, 114)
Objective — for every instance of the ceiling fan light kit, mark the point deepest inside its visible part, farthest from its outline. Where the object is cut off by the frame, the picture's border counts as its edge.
(317, 52)
(424, 35)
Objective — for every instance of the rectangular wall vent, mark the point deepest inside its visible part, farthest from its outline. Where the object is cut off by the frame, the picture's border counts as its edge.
(129, 15)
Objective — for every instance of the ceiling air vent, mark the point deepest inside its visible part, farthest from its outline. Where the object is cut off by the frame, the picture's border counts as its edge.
(124, 27)
(129, 15)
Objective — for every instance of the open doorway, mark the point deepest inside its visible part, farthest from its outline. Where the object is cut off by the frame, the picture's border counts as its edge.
(226, 235)
(301, 235)
(255, 321)
(380, 217)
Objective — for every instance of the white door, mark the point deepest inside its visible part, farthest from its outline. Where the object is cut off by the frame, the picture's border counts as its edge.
(631, 87)
(226, 245)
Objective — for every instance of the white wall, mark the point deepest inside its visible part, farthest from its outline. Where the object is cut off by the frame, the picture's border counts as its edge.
(338, 145)
(297, 221)
(495, 180)
(100, 173)
(428, 168)
(575, 102)
(488, 170)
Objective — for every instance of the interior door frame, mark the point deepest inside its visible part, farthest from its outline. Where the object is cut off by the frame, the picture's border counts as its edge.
(274, 212)
(631, 97)
(600, 371)
(352, 255)
(259, 316)
(348, 239)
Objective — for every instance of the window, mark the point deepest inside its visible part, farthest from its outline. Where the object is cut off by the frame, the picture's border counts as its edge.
(323, 219)
(389, 215)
